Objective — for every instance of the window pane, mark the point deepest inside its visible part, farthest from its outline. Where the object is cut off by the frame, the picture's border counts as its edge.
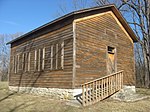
(62, 55)
(54, 57)
(35, 60)
(110, 49)
(51, 57)
(20, 61)
(59, 55)
(43, 58)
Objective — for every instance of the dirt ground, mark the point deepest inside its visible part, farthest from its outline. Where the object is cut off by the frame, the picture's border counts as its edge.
(17, 102)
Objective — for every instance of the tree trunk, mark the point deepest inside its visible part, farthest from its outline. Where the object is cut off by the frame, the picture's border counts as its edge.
(148, 47)
(0, 77)
(149, 35)
(146, 52)
(147, 73)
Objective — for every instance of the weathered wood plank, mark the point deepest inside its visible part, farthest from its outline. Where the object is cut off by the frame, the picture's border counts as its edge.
(55, 78)
(92, 37)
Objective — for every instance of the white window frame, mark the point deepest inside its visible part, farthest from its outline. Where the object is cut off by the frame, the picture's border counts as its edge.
(23, 61)
(39, 60)
(62, 55)
(52, 47)
(35, 60)
(43, 59)
(18, 62)
(14, 64)
(56, 56)
(28, 61)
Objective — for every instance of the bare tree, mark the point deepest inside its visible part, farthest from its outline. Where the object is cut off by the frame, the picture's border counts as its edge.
(5, 54)
(139, 66)
(75, 5)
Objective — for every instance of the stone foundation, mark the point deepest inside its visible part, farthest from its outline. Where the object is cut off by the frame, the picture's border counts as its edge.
(55, 93)
(124, 94)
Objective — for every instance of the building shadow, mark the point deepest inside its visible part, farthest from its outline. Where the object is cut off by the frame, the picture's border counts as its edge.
(8, 96)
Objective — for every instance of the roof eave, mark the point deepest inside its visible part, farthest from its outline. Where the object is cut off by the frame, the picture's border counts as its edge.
(45, 25)
(112, 6)
(60, 18)
(125, 24)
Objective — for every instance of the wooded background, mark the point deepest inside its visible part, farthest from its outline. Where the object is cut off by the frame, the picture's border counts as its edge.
(137, 14)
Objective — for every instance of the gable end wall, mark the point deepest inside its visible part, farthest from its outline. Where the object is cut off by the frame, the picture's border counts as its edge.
(93, 35)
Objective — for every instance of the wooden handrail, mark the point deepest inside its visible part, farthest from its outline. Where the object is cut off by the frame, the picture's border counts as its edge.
(98, 89)
(101, 78)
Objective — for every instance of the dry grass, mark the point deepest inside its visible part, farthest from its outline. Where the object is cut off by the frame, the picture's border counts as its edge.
(143, 91)
(30, 103)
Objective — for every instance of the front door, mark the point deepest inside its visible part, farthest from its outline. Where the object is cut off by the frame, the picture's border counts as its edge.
(111, 60)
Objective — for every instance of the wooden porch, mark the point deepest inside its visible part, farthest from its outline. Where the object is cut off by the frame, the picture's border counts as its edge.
(101, 88)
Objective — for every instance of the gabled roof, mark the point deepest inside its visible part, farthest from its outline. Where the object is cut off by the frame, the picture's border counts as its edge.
(77, 14)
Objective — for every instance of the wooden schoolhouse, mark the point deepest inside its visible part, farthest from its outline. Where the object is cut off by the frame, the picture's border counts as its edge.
(74, 49)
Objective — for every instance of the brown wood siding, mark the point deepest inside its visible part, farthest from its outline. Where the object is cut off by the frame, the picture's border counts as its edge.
(93, 35)
(46, 78)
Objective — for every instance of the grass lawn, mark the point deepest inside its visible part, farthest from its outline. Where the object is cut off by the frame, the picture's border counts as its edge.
(18, 102)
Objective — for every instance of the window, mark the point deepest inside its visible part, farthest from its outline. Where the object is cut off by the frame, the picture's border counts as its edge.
(14, 64)
(51, 57)
(29, 54)
(26, 61)
(17, 63)
(35, 60)
(39, 59)
(43, 58)
(62, 55)
(21, 62)
(57, 56)
(111, 50)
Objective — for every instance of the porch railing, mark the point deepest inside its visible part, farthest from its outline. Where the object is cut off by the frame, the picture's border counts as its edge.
(101, 88)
